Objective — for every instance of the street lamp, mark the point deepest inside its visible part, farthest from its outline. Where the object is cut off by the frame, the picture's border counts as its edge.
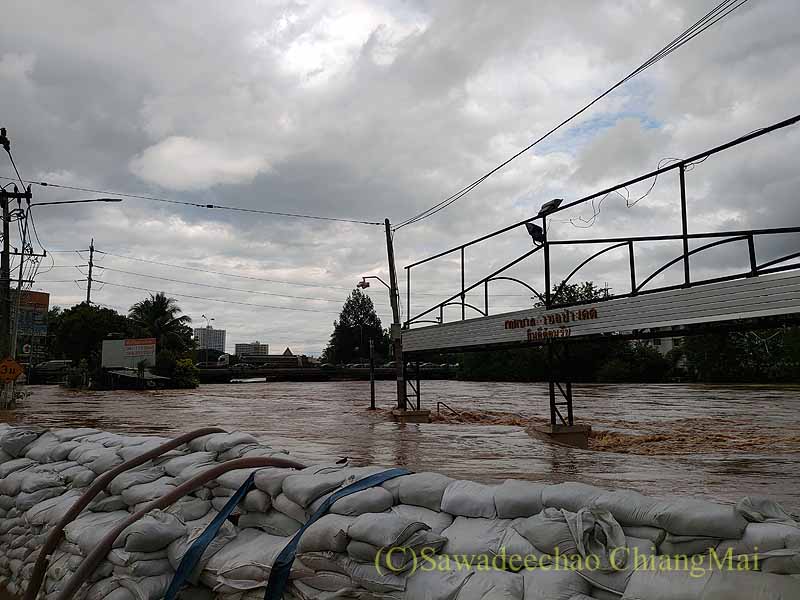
(364, 284)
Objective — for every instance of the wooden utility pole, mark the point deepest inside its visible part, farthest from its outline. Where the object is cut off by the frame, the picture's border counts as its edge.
(395, 331)
(89, 280)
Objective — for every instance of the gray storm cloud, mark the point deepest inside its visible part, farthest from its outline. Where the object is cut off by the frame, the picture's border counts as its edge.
(369, 110)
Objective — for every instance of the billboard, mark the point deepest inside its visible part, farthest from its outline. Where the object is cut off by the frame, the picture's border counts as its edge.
(31, 319)
(120, 354)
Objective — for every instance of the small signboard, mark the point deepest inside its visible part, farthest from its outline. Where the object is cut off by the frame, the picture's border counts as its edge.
(9, 370)
(128, 353)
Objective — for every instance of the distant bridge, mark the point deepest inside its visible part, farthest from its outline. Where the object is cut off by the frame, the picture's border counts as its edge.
(228, 374)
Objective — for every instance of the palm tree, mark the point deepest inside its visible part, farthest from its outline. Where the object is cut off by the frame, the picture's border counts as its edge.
(159, 317)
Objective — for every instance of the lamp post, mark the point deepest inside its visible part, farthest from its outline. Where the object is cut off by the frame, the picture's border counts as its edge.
(208, 326)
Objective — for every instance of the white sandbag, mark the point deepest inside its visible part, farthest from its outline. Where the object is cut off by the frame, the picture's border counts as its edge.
(572, 496)
(88, 529)
(42, 448)
(272, 521)
(493, 585)
(25, 500)
(222, 442)
(154, 531)
(189, 509)
(146, 588)
(50, 511)
(437, 521)
(235, 479)
(245, 563)
(16, 464)
(474, 536)
(15, 440)
(763, 537)
(39, 480)
(367, 576)
(270, 480)
(655, 534)
(686, 545)
(238, 451)
(328, 533)
(552, 584)
(102, 589)
(656, 584)
(289, 508)
(371, 500)
(103, 503)
(11, 484)
(689, 516)
(196, 469)
(384, 530)
(102, 461)
(222, 492)
(218, 503)
(136, 494)
(122, 558)
(440, 583)
(178, 548)
(81, 479)
(146, 568)
(547, 531)
(514, 499)
(71, 433)
(397, 559)
(256, 501)
(624, 561)
(757, 509)
(419, 489)
(307, 485)
(175, 466)
(469, 499)
(136, 477)
(327, 581)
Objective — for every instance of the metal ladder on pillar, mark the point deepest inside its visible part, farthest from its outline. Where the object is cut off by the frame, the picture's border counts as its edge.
(555, 360)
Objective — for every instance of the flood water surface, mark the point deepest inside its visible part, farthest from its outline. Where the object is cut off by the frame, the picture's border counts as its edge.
(719, 442)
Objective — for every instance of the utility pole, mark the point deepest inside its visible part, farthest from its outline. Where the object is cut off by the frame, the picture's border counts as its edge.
(371, 374)
(395, 332)
(5, 281)
(89, 280)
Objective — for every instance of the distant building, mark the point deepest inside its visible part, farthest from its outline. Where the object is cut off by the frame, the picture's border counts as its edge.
(665, 344)
(210, 338)
(286, 360)
(253, 349)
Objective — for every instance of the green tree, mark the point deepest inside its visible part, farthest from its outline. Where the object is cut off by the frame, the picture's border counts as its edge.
(77, 333)
(159, 317)
(357, 324)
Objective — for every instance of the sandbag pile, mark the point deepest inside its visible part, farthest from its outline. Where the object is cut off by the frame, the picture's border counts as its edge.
(417, 536)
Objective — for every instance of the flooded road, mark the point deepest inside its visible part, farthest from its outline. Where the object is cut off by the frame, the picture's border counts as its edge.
(719, 442)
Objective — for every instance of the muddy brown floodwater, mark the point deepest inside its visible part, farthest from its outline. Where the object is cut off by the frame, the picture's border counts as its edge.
(718, 442)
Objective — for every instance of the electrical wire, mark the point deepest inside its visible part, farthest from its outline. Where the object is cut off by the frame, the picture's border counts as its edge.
(222, 273)
(290, 308)
(198, 205)
(218, 287)
(715, 15)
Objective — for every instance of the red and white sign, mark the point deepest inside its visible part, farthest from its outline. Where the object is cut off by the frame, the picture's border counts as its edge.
(119, 354)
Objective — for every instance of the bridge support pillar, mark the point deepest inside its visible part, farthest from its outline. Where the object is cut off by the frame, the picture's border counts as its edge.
(569, 435)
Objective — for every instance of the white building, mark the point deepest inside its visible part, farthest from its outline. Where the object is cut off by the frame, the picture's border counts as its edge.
(252, 349)
(210, 338)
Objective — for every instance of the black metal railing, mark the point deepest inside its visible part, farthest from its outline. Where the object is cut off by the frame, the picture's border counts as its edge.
(551, 299)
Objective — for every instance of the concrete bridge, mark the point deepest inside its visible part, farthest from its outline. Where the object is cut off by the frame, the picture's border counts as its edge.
(228, 374)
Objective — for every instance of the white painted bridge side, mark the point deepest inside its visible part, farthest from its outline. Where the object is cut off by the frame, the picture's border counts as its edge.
(763, 296)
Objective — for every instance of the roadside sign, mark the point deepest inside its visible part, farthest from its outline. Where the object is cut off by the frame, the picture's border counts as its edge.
(26, 349)
(9, 370)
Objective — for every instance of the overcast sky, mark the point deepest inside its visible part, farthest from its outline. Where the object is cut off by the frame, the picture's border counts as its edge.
(368, 110)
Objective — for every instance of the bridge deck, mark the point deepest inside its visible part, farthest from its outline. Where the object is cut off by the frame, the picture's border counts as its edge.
(749, 298)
